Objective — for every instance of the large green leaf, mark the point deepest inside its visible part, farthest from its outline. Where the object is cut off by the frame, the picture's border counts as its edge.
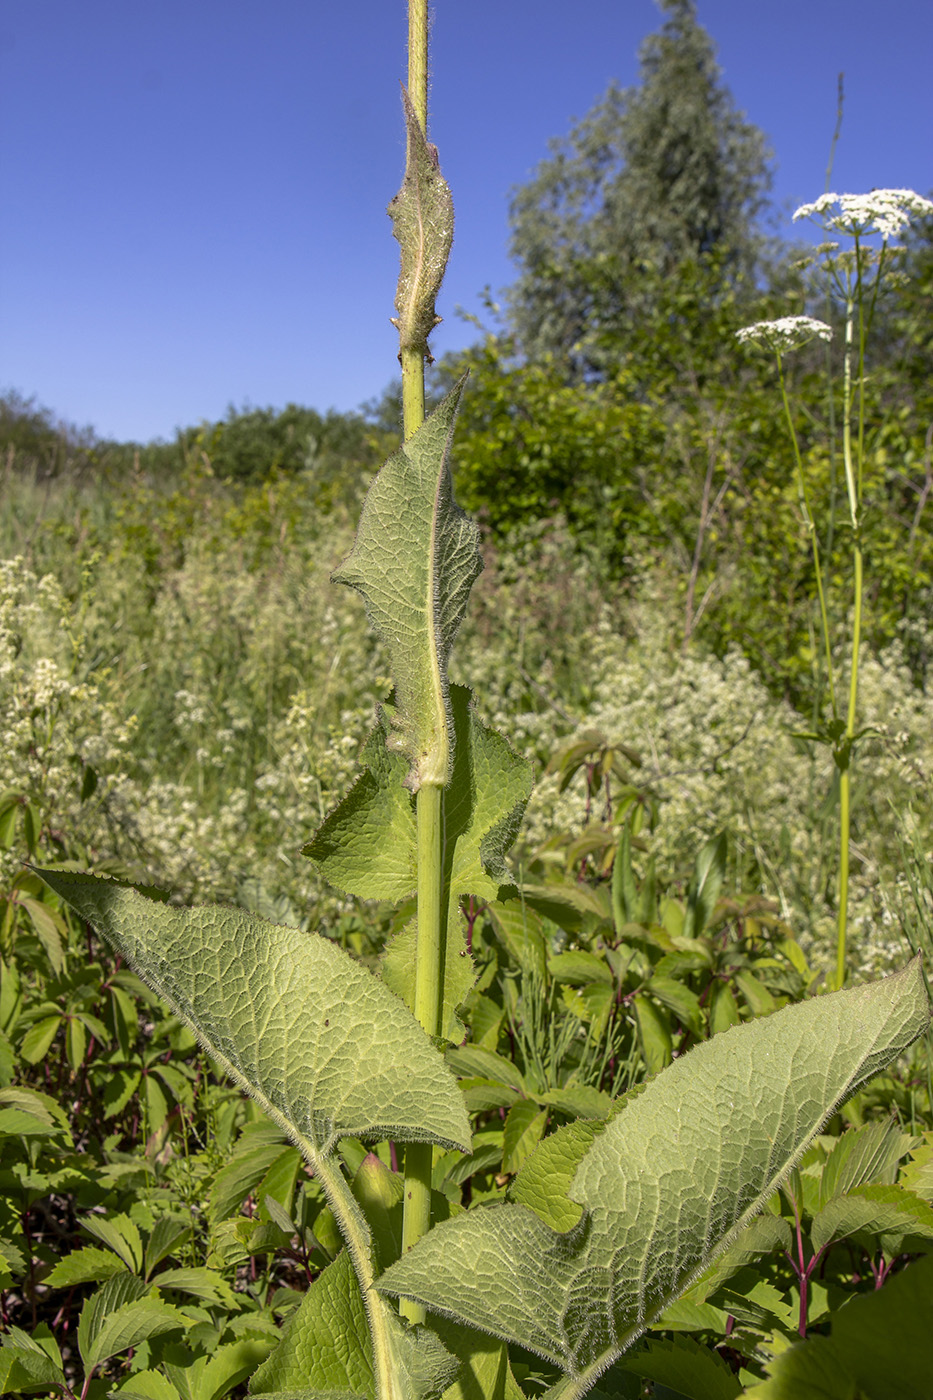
(368, 845)
(414, 561)
(326, 1049)
(667, 1183)
(544, 1181)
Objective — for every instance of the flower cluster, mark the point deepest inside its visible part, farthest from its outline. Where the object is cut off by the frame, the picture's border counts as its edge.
(786, 333)
(887, 212)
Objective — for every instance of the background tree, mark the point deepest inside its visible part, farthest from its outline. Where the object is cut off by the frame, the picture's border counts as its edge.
(651, 178)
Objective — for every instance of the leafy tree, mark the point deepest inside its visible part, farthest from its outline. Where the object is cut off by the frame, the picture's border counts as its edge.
(651, 177)
(250, 444)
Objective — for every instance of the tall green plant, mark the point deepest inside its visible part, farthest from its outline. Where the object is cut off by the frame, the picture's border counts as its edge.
(855, 276)
(428, 610)
(609, 1219)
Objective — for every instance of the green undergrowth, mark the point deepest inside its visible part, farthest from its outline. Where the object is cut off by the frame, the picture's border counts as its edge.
(181, 704)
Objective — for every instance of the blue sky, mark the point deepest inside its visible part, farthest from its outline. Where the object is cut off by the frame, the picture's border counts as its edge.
(194, 191)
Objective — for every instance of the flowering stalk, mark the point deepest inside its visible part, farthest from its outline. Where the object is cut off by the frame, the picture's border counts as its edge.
(422, 215)
(788, 333)
(887, 213)
(843, 754)
(412, 357)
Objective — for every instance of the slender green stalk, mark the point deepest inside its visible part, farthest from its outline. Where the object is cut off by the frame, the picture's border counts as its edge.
(429, 967)
(412, 391)
(418, 59)
(413, 359)
(853, 472)
(814, 538)
(830, 392)
(419, 1157)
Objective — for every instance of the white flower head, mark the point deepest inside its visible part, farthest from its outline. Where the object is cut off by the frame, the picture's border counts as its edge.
(786, 333)
(887, 212)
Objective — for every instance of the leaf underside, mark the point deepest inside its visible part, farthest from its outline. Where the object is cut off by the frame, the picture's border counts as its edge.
(422, 215)
(414, 560)
(667, 1184)
(327, 1050)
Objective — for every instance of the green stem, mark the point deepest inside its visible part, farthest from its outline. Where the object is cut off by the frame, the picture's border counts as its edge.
(814, 539)
(851, 487)
(413, 360)
(419, 1157)
(843, 913)
(412, 391)
(358, 1239)
(429, 980)
(429, 1000)
(853, 483)
(418, 59)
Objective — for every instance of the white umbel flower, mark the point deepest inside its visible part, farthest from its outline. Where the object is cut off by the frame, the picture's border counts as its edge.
(887, 212)
(786, 333)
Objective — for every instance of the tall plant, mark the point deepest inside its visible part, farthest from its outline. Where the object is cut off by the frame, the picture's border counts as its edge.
(422, 218)
(855, 276)
(609, 1220)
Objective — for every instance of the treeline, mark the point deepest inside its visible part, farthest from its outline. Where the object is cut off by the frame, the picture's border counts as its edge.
(247, 446)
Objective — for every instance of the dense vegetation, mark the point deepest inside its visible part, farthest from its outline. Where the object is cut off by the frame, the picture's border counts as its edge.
(183, 696)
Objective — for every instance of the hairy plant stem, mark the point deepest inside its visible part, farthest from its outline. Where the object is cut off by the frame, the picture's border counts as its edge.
(412, 391)
(413, 360)
(355, 1231)
(419, 1157)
